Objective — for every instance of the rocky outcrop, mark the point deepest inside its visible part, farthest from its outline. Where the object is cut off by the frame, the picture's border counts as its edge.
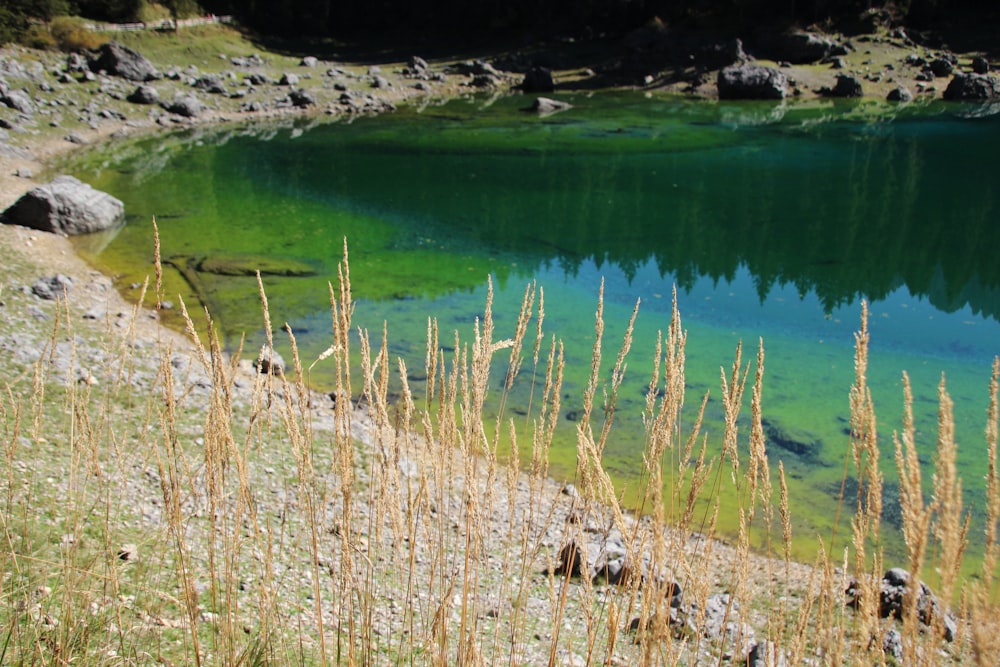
(972, 87)
(66, 206)
(119, 60)
(751, 82)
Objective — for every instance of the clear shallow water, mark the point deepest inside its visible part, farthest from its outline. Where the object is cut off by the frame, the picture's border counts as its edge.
(773, 222)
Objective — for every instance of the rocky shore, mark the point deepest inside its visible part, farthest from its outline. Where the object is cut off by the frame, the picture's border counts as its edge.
(55, 104)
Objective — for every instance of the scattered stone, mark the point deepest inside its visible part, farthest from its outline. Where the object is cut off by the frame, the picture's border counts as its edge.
(75, 138)
(895, 586)
(253, 60)
(941, 67)
(766, 654)
(128, 553)
(846, 86)
(900, 94)
(980, 65)
(418, 67)
(52, 287)
(144, 95)
(188, 106)
(288, 79)
(258, 79)
(269, 362)
(211, 83)
(66, 206)
(309, 61)
(380, 82)
(18, 100)
(75, 63)
(571, 561)
(301, 98)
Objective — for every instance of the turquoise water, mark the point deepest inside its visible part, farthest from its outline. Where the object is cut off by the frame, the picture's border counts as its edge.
(773, 222)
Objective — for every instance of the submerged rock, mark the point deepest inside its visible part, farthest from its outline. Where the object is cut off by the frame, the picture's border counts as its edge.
(545, 106)
(249, 265)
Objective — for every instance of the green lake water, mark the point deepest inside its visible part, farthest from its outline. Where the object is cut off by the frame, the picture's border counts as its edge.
(773, 222)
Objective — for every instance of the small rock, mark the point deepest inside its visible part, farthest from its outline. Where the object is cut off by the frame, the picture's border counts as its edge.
(52, 287)
(269, 362)
(899, 94)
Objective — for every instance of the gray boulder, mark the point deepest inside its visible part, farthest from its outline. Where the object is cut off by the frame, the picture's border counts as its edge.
(301, 98)
(289, 79)
(900, 94)
(846, 86)
(66, 206)
(19, 100)
(419, 67)
(309, 61)
(75, 63)
(211, 83)
(751, 82)
(144, 95)
(980, 65)
(895, 586)
(976, 87)
(188, 106)
(117, 59)
(942, 67)
(52, 287)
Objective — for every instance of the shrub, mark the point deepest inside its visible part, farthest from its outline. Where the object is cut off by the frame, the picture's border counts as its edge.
(37, 37)
(70, 34)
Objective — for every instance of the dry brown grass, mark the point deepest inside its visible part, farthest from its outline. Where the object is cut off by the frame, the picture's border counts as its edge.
(213, 516)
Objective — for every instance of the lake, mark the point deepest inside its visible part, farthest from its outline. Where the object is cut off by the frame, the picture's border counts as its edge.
(772, 221)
